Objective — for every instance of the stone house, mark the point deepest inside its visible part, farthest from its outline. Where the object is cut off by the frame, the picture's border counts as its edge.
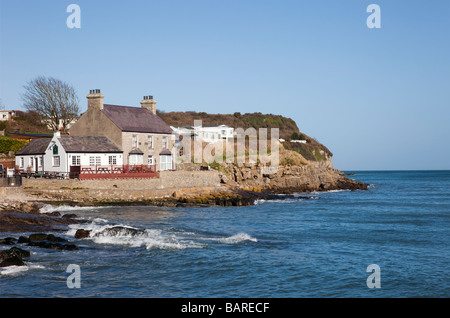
(143, 136)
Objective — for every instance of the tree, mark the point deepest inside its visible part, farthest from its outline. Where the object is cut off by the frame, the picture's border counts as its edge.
(54, 100)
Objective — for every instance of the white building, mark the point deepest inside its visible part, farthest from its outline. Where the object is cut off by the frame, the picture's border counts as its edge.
(7, 114)
(210, 134)
(59, 154)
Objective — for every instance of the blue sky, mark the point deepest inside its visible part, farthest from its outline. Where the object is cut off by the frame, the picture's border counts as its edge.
(379, 99)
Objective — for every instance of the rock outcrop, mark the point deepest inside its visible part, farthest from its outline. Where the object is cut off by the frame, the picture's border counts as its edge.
(287, 179)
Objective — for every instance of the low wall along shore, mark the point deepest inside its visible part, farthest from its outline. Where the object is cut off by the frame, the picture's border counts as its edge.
(170, 183)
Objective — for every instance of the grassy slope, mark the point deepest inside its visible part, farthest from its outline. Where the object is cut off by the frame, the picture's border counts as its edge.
(313, 150)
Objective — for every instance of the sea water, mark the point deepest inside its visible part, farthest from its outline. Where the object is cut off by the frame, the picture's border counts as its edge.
(305, 245)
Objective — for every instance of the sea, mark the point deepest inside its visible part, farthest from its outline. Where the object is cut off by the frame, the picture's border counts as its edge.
(391, 241)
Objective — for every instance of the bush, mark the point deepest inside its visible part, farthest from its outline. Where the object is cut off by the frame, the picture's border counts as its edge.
(9, 144)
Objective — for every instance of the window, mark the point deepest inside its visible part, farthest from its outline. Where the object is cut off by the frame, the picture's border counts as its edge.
(41, 161)
(22, 162)
(165, 163)
(150, 160)
(31, 162)
(76, 160)
(134, 141)
(150, 142)
(165, 145)
(135, 159)
(224, 132)
(55, 149)
(56, 161)
(95, 161)
(112, 160)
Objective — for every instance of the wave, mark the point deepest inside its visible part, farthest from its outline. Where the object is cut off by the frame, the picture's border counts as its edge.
(48, 208)
(16, 270)
(291, 199)
(237, 238)
(125, 235)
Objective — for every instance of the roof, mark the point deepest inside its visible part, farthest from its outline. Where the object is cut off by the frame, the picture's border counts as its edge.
(35, 147)
(88, 144)
(165, 152)
(136, 119)
(136, 151)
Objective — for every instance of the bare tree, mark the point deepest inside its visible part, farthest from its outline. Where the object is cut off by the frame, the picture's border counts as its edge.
(56, 101)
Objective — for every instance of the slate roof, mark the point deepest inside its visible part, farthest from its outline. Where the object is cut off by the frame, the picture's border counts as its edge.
(165, 152)
(136, 119)
(136, 151)
(35, 147)
(88, 144)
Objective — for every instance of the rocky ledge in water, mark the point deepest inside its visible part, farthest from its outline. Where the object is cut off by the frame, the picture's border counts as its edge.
(14, 256)
(14, 221)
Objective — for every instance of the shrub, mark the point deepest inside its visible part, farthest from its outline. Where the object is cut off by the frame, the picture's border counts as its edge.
(9, 144)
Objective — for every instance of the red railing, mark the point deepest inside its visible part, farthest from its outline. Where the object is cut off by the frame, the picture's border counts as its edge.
(113, 171)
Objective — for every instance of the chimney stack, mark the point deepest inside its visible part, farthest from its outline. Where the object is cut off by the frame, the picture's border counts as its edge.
(95, 99)
(149, 103)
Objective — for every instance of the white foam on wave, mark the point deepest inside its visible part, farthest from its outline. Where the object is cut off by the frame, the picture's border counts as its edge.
(237, 238)
(48, 208)
(16, 270)
(287, 200)
(125, 235)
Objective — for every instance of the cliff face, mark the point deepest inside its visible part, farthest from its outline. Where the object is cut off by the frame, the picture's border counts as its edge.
(316, 176)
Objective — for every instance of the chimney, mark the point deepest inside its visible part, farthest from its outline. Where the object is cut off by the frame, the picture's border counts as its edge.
(149, 103)
(95, 99)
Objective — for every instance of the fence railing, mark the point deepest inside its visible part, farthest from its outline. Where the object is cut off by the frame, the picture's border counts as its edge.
(118, 171)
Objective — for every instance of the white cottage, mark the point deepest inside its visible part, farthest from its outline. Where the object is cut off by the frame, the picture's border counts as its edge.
(59, 154)
(31, 157)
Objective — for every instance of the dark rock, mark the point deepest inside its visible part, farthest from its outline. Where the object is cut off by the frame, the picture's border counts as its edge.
(54, 246)
(56, 213)
(20, 222)
(37, 237)
(15, 251)
(53, 238)
(69, 216)
(82, 234)
(12, 261)
(23, 239)
(119, 231)
(8, 241)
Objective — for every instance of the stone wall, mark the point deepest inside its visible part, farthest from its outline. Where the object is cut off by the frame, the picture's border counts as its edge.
(170, 183)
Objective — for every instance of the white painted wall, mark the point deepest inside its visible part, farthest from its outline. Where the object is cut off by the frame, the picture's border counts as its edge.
(29, 161)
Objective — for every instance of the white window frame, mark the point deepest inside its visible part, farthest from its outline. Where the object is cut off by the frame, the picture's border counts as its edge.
(164, 163)
(95, 161)
(76, 160)
(134, 141)
(22, 162)
(150, 160)
(150, 142)
(165, 142)
(112, 160)
(56, 161)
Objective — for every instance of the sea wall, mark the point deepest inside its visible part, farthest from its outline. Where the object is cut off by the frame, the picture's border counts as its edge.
(170, 183)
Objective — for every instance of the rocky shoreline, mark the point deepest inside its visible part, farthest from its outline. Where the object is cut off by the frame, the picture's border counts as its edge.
(242, 187)
(36, 223)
